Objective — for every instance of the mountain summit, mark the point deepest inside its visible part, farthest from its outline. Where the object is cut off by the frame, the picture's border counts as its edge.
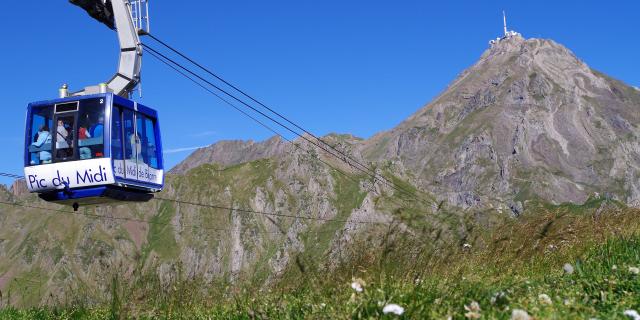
(528, 120)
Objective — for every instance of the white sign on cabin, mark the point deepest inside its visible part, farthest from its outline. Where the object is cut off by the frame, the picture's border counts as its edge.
(75, 174)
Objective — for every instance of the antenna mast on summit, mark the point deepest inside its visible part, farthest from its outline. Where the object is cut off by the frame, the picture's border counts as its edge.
(504, 18)
(507, 34)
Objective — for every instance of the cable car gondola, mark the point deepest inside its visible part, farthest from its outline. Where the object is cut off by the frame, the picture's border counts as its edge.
(93, 149)
(97, 146)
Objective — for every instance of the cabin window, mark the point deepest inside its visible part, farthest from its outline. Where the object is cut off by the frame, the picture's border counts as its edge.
(66, 131)
(64, 136)
(146, 131)
(116, 142)
(39, 135)
(116, 133)
(91, 130)
(129, 135)
(134, 145)
(131, 144)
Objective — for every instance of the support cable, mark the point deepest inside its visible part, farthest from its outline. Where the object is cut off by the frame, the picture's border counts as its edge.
(376, 177)
(371, 188)
(344, 154)
(213, 206)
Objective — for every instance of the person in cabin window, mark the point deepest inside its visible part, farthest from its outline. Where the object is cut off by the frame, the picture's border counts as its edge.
(136, 147)
(61, 139)
(83, 134)
(44, 137)
(97, 130)
(62, 145)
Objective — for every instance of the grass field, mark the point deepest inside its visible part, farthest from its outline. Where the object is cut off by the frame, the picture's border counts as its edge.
(555, 263)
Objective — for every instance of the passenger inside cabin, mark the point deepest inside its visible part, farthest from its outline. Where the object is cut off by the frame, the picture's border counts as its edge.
(97, 130)
(83, 134)
(136, 147)
(43, 138)
(62, 146)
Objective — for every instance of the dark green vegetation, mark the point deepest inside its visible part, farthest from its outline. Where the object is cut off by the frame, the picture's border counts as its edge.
(509, 268)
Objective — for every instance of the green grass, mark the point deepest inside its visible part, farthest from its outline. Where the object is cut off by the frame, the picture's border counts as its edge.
(160, 238)
(601, 286)
(28, 286)
(507, 267)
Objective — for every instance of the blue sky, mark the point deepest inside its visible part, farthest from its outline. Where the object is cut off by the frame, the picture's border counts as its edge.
(333, 66)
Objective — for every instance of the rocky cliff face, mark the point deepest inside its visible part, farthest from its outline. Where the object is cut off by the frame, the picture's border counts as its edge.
(527, 121)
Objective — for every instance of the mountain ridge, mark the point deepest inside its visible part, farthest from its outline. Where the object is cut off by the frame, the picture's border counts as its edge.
(552, 93)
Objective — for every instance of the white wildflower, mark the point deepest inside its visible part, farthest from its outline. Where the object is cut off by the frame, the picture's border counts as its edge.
(466, 246)
(614, 267)
(473, 310)
(322, 305)
(544, 299)
(473, 307)
(393, 308)
(634, 315)
(634, 270)
(519, 314)
(568, 268)
(357, 284)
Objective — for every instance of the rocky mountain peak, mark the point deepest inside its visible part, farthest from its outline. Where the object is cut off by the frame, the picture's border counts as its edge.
(232, 152)
(528, 120)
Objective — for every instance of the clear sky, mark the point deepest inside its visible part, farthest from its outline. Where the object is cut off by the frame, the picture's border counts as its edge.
(333, 66)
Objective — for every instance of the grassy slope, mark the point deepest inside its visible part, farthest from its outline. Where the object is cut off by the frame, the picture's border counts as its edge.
(516, 263)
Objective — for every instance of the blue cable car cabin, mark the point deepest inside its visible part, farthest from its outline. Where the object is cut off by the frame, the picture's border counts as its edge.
(93, 149)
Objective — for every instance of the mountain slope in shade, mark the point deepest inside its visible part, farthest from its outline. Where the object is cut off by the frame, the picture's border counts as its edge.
(528, 120)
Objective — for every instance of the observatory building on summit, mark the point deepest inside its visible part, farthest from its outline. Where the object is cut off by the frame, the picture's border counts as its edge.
(507, 33)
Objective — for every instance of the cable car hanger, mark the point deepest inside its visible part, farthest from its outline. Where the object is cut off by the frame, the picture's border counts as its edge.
(130, 19)
(95, 145)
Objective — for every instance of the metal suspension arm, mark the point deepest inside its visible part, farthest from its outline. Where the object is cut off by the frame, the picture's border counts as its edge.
(128, 75)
